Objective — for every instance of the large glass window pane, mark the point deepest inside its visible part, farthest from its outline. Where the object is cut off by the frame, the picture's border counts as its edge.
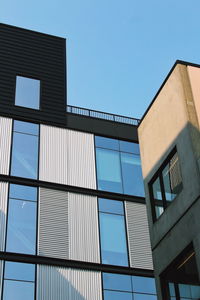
(19, 271)
(144, 297)
(111, 206)
(157, 190)
(108, 170)
(23, 192)
(113, 240)
(24, 161)
(117, 282)
(107, 143)
(26, 127)
(144, 284)
(185, 290)
(112, 295)
(195, 291)
(132, 174)
(21, 228)
(129, 147)
(27, 92)
(18, 290)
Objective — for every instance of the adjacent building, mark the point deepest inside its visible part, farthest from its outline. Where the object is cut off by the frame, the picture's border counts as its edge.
(73, 215)
(170, 150)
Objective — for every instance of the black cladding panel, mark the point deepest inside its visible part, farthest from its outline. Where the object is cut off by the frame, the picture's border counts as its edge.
(40, 56)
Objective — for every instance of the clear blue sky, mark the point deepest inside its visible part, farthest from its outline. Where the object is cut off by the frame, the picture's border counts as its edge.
(118, 52)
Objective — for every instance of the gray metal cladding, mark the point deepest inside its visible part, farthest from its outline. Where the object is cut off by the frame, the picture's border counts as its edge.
(61, 284)
(3, 212)
(83, 228)
(81, 159)
(138, 236)
(53, 154)
(5, 144)
(53, 238)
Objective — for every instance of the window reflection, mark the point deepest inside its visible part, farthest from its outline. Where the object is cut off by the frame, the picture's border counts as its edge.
(27, 92)
(21, 228)
(119, 166)
(19, 281)
(112, 233)
(24, 161)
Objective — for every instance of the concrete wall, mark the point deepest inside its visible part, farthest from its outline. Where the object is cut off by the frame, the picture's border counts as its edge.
(171, 121)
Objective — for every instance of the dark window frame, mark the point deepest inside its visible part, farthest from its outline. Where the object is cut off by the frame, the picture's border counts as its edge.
(164, 203)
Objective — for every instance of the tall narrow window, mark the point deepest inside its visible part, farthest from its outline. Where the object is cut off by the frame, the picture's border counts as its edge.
(19, 281)
(21, 228)
(112, 232)
(166, 184)
(126, 287)
(119, 166)
(27, 92)
(24, 162)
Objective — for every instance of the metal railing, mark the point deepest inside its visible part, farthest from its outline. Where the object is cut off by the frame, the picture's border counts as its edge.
(102, 115)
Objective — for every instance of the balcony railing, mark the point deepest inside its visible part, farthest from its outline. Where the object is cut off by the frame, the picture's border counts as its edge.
(102, 115)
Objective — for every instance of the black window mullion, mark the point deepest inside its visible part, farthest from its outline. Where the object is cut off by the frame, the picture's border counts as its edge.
(162, 191)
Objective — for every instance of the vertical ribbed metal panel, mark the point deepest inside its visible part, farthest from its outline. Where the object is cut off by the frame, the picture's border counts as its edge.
(138, 236)
(81, 159)
(85, 285)
(53, 283)
(53, 238)
(53, 154)
(5, 144)
(83, 228)
(63, 284)
(3, 212)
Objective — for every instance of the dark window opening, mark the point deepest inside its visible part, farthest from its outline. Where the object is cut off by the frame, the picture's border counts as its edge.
(166, 184)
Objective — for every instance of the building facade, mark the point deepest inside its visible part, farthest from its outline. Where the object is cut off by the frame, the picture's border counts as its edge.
(170, 151)
(73, 214)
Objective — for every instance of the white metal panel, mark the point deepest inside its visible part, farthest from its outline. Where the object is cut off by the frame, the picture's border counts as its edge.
(81, 159)
(3, 213)
(85, 285)
(83, 228)
(62, 284)
(138, 236)
(53, 154)
(53, 223)
(53, 283)
(5, 144)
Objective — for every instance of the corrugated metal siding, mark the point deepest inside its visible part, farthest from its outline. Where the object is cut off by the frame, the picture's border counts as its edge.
(53, 224)
(86, 285)
(3, 212)
(81, 159)
(63, 284)
(138, 236)
(5, 144)
(53, 154)
(83, 228)
(53, 283)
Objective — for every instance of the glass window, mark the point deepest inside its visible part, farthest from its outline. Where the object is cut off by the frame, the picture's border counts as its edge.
(108, 170)
(119, 282)
(19, 281)
(166, 184)
(120, 287)
(112, 232)
(119, 166)
(27, 92)
(24, 161)
(21, 227)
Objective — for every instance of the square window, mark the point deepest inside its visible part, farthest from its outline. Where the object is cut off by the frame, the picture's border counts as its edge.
(27, 92)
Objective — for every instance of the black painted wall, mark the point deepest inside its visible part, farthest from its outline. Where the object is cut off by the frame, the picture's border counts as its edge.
(32, 54)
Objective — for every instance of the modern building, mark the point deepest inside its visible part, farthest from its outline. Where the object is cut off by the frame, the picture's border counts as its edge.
(73, 215)
(169, 139)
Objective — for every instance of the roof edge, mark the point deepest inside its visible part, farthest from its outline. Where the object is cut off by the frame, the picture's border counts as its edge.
(181, 62)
